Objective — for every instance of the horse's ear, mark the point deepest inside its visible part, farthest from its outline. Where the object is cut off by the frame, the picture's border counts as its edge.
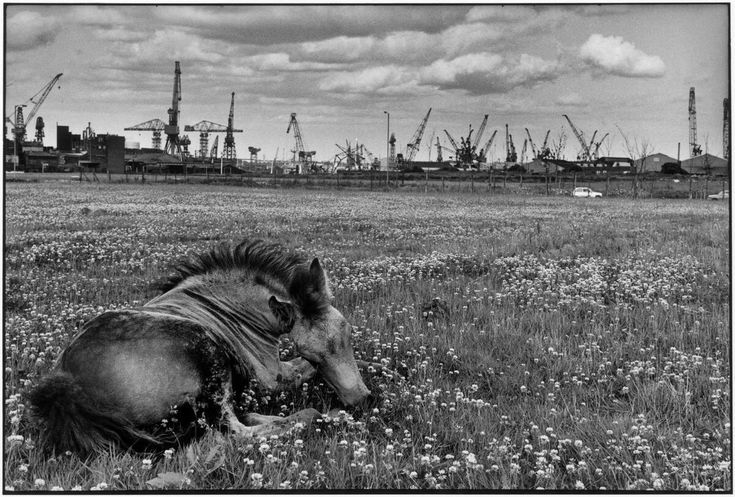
(285, 313)
(318, 277)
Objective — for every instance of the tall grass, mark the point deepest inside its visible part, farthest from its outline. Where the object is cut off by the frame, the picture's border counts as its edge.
(572, 344)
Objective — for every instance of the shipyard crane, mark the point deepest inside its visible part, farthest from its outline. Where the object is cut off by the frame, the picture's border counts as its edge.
(480, 132)
(596, 153)
(18, 121)
(510, 149)
(530, 141)
(155, 125)
(545, 150)
(431, 143)
(486, 149)
(413, 146)
(204, 128)
(39, 130)
(392, 143)
(726, 129)
(438, 151)
(305, 157)
(523, 150)
(694, 148)
(592, 144)
(213, 151)
(228, 151)
(173, 144)
(451, 140)
(586, 154)
(253, 153)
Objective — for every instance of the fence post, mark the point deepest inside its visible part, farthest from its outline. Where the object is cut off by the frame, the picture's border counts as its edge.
(706, 187)
(426, 181)
(472, 181)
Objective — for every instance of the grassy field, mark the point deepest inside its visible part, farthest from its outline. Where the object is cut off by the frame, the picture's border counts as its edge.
(576, 344)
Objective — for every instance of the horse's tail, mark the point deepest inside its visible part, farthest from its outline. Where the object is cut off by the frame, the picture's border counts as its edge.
(71, 421)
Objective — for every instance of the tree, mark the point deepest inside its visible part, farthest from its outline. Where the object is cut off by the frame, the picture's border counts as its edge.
(638, 150)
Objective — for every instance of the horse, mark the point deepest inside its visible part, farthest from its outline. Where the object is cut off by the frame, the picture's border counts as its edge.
(160, 373)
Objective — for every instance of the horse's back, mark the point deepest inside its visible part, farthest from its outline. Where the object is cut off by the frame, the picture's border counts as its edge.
(142, 363)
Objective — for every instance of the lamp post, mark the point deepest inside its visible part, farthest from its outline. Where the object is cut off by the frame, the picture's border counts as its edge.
(387, 148)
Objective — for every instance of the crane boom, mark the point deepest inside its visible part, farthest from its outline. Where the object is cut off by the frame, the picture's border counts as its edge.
(580, 138)
(546, 140)
(480, 132)
(18, 122)
(43, 94)
(451, 140)
(413, 145)
(489, 143)
(530, 140)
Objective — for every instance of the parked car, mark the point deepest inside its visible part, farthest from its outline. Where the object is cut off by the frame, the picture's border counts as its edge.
(723, 195)
(583, 191)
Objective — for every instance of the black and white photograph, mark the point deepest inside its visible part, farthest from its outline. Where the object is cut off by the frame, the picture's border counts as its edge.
(351, 247)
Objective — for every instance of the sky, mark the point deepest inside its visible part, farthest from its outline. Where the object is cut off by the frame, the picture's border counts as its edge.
(340, 68)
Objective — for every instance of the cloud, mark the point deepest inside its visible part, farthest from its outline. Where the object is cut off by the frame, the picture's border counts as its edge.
(613, 55)
(382, 79)
(27, 30)
(571, 100)
(486, 73)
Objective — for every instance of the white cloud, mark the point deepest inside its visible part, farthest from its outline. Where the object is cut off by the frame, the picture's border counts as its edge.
(27, 30)
(382, 79)
(571, 99)
(613, 55)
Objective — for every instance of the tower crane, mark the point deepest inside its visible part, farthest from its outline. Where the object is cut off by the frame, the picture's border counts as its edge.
(694, 148)
(586, 155)
(173, 143)
(18, 121)
(413, 146)
(486, 148)
(305, 157)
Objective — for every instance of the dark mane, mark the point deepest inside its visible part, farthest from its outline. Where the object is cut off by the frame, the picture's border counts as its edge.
(270, 258)
(310, 294)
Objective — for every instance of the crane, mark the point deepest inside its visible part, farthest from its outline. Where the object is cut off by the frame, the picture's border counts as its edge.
(694, 148)
(392, 142)
(305, 157)
(545, 150)
(39, 130)
(213, 151)
(523, 150)
(253, 153)
(488, 144)
(18, 121)
(413, 146)
(530, 141)
(204, 128)
(173, 144)
(586, 155)
(480, 132)
(454, 143)
(438, 151)
(592, 144)
(228, 151)
(431, 143)
(155, 125)
(597, 146)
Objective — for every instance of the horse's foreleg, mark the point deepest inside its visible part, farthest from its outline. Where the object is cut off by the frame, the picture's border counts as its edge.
(295, 372)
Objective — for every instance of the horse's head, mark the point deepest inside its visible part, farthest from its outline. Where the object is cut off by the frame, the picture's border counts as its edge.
(321, 333)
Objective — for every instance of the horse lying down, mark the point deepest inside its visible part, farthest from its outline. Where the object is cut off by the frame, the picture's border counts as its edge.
(216, 326)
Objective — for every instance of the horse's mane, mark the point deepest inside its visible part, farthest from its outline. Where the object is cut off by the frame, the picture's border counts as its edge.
(257, 256)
